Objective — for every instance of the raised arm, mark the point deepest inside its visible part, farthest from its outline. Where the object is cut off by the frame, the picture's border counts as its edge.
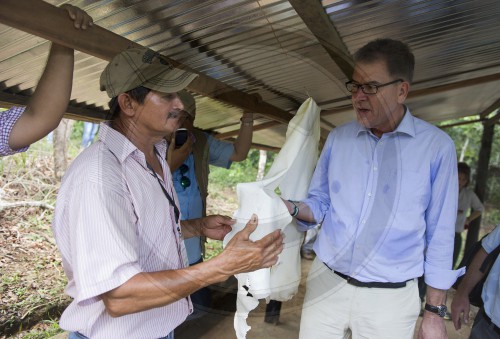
(244, 139)
(50, 100)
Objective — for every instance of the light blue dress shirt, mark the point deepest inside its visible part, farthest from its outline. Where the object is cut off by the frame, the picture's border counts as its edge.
(491, 287)
(386, 202)
(190, 198)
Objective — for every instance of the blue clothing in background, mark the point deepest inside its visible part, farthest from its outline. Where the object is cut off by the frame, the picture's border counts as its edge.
(89, 132)
(384, 200)
(190, 199)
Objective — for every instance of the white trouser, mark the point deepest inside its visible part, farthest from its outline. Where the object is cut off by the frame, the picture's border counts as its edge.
(334, 309)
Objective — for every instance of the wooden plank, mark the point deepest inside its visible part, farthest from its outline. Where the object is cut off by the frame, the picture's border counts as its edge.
(314, 16)
(47, 21)
(72, 112)
(433, 90)
(461, 123)
(230, 134)
(490, 109)
(493, 120)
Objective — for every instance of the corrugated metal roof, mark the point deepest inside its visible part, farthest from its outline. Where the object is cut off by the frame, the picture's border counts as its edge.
(265, 47)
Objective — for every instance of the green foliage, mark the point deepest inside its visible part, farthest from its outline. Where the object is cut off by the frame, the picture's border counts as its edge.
(467, 139)
(244, 171)
(47, 329)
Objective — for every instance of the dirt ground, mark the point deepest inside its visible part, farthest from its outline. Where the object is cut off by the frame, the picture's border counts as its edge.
(220, 325)
(32, 279)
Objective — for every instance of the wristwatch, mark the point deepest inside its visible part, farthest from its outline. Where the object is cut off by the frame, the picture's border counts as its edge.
(440, 310)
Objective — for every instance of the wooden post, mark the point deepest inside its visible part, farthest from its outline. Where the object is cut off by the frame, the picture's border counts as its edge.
(481, 180)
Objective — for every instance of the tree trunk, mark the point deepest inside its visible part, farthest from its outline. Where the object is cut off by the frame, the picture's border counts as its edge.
(61, 141)
(464, 149)
(262, 165)
(483, 164)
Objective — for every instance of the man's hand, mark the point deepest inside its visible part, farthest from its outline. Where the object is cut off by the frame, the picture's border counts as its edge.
(432, 327)
(216, 226)
(460, 306)
(80, 18)
(177, 156)
(243, 255)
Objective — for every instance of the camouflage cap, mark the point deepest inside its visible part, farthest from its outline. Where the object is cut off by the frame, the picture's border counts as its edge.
(136, 67)
(188, 102)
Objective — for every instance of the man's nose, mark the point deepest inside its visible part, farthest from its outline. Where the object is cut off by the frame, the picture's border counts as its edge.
(178, 104)
(359, 95)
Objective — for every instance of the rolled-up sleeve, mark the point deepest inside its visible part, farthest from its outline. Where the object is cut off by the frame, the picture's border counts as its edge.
(440, 220)
(7, 121)
(318, 196)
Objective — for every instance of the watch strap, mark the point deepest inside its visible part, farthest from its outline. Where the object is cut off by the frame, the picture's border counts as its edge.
(440, 310)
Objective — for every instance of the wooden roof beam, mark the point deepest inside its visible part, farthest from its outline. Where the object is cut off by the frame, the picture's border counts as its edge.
(314, 16)
(461, 123)
(72, 112)
(435, 90)
(490, 109)
(42, 19)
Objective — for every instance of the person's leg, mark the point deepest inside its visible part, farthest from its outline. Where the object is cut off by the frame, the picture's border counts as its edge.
(481, 329)
(457, 247)
(326, 308)
(389, 313)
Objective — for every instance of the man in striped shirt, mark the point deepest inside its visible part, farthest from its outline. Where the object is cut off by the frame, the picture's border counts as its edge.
(117, 215)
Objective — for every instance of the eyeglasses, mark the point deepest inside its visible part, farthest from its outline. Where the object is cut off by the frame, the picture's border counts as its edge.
(185, 182)
(367, 88)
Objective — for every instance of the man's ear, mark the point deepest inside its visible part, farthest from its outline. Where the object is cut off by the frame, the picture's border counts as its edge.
(127, 104)
(404, 88)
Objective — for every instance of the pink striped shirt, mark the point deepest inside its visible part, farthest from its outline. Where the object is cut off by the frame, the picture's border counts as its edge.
(7, 120)
(111, 223)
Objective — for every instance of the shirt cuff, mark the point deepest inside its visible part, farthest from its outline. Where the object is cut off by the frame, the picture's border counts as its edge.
(304, 225)
(440, 278)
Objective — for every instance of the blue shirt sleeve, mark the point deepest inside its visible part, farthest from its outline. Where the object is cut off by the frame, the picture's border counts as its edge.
(439, 230)
(492, 241)
(318, 198)
(220, 152)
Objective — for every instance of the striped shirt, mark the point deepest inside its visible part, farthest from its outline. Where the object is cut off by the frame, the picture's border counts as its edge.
(113, 221)
(7, 121)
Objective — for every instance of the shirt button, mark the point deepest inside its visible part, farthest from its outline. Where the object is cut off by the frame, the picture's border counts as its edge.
(375, 168)
(364, 221)
(369, 194)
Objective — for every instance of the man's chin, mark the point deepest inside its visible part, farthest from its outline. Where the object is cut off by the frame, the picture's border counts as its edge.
(363, 122)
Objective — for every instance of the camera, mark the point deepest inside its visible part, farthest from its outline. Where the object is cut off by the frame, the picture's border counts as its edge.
(181, 136)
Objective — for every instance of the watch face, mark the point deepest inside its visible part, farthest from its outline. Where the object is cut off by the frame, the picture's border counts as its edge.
(442, 310)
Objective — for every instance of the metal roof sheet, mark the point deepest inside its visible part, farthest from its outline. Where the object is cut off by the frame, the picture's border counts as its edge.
(265, 47)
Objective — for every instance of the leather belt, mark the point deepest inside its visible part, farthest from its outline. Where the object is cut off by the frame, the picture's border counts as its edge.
(375, 284)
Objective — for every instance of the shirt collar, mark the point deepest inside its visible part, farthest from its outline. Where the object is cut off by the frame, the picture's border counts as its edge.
(122, 147)
(406, 126)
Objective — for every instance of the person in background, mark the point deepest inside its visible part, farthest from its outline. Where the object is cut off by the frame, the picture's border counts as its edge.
(487, 322)
(22, 126)
(117, 219)
(189, 165)
(467, 201)
(89, 131)
(385, 189)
